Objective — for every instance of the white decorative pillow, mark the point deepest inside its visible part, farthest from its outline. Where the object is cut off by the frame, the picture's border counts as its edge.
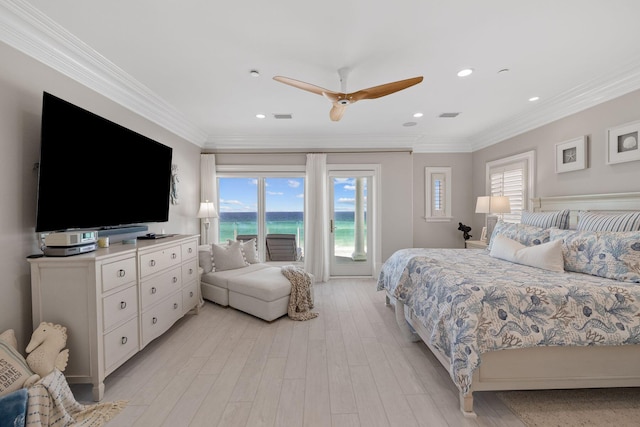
(14, 370)
(250, 250)
(559, 219)
(590, 221)
(228, 257)
(547, 256)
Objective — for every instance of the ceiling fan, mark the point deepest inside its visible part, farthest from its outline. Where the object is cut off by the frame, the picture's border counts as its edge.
(340, 100)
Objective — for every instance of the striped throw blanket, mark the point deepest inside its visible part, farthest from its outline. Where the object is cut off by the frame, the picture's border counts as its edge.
(51, 403)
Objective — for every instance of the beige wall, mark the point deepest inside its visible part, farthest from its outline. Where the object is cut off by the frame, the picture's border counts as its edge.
(396, 192)
(22, 82)
(597, 178)
(443, 234)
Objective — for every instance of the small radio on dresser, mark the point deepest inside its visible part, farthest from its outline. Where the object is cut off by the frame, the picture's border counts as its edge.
(71, 238)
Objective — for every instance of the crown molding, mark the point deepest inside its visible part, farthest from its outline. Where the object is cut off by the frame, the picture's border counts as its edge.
(308, 142)
(624, 80)
(28, 30)
(436, 144)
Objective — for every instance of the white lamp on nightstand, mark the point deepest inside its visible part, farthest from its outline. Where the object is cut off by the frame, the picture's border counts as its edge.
(207, 210)
(492, 205)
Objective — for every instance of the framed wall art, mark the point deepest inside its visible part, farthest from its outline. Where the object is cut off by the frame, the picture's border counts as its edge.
(571, 155)
(622, 143)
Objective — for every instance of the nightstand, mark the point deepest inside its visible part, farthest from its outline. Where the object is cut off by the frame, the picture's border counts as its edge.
(475, 244)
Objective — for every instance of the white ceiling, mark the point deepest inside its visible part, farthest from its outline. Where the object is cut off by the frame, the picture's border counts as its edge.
(185, 64)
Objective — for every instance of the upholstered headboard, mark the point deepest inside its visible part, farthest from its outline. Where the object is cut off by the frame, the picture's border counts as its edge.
(605, 203)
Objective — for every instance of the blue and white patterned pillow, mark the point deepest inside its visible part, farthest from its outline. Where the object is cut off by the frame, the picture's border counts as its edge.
(610, 254)
(559, 219)
(592, 221)
(527, 235)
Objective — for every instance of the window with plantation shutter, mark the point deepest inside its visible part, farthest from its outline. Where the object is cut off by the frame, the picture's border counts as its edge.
(437, 194)
(512, 177)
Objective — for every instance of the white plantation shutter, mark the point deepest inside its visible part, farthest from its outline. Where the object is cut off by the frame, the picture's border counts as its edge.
(510, 181)
(439, 196)
(512, 177)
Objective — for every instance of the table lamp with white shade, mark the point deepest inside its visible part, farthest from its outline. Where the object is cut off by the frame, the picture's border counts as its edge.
(207, 210)
(492, 205)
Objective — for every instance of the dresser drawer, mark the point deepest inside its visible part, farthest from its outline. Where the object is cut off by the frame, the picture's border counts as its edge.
(189, 297)
(159, 287)
(120, 343)
(189, 271)
(189, 250)
(119, 307)
(159, 260)
(160, 317)
(118, 273)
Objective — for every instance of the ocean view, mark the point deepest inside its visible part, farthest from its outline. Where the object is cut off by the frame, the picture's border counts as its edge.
(234, 223)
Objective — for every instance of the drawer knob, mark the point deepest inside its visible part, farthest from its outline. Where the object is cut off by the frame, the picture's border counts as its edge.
(191, 271)
(121, 273)
(153, 290)
(152, 263)
(154, 320)
(123, 305)
(190, 250)
(175, 305)
(191, 294)
(124, 340)
(174, 255)
(175, 279)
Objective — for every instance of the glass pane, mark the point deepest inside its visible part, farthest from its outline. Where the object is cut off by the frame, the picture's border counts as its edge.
(238, 207)
(350, 213)
(284, 208)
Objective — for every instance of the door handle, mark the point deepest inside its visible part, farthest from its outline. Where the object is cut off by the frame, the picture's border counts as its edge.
(331, 225)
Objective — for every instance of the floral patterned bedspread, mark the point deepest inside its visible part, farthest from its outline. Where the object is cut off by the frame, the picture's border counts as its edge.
(473, 303)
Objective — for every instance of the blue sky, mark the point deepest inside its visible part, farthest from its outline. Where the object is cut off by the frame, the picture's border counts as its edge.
(282, 194)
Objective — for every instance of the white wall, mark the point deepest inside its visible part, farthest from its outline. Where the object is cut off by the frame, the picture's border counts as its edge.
(22, 82)
(597, 178)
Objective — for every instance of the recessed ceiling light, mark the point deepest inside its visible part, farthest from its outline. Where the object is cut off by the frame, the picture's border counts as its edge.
(254, 73)
(260, 116)
(534, 98)
(466, 72)
(418, 115)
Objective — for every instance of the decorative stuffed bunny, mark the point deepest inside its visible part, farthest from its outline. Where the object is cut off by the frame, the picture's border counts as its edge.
(45, 351)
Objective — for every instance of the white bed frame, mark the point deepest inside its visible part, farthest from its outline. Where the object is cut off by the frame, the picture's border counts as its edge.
(548, 367)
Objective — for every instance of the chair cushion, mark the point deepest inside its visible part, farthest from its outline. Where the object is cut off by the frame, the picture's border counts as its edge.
(268, 284)
(221, 278)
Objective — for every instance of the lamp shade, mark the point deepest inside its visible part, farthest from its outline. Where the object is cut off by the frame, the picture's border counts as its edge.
(207, 210)
(493, 204)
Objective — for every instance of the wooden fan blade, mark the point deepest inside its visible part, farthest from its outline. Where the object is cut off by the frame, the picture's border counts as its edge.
(337, 111)
(383, 90)
(304, 86)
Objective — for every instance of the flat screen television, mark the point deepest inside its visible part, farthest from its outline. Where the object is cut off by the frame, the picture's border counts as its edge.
(94, 173)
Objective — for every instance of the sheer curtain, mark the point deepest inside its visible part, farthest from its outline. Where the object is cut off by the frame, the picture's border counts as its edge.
(209, 191)
(316, 236)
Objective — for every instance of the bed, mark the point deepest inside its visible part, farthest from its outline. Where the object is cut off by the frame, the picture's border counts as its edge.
(501, 325)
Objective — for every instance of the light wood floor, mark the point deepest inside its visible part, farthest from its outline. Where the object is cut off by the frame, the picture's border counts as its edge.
(348, 367)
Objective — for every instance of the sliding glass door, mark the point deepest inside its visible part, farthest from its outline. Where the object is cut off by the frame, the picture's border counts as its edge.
(260, 205)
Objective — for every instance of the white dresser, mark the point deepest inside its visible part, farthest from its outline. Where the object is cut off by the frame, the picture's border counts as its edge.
(115, 301)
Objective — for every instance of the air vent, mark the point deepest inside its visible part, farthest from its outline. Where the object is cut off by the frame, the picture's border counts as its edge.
(282, 116)
(448, 115)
